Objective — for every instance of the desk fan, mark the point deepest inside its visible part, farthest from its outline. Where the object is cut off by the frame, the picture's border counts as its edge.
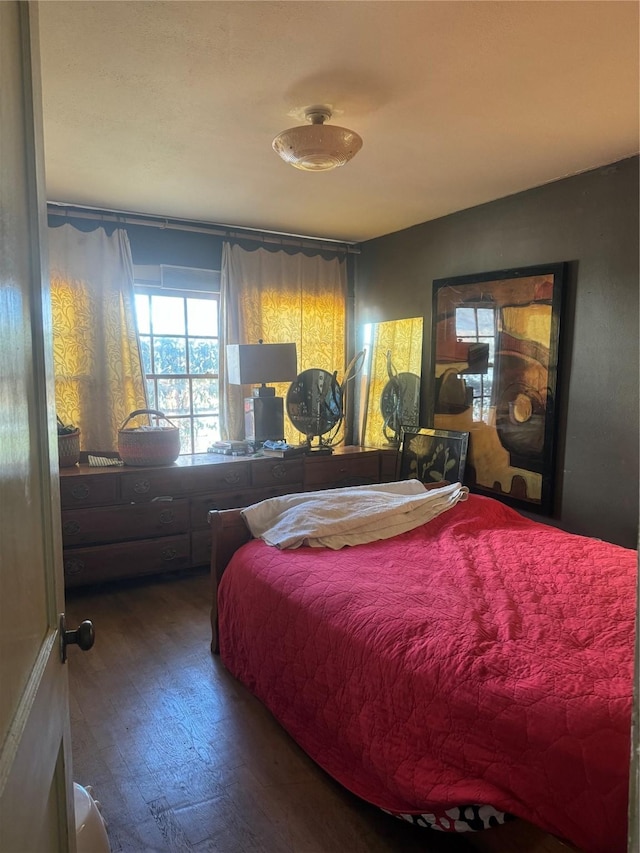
(315, 404)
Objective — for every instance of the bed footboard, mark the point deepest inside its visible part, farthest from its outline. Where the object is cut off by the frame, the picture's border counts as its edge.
(228, 533)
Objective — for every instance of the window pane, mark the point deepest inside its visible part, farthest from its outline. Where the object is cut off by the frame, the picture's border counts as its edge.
(492, 348)
(487, 383)
(173, 396)
(151, 394)
(206, 431)
(170, 355)
(184, 427)
(167, 315)
(486, 324)
(205, 396)
(145, 352)
(202, 317)
(142, 313)
(472, 380)
(466, 322)
(203, 356)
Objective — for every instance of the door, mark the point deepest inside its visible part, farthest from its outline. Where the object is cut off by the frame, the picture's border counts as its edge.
(36, 791)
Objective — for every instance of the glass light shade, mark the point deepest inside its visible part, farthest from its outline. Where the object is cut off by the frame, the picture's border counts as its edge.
(317, 147)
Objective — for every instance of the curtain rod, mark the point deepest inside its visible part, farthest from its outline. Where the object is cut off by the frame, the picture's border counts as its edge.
(70, 211)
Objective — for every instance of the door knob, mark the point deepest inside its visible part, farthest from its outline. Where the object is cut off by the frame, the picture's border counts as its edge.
(83, 636)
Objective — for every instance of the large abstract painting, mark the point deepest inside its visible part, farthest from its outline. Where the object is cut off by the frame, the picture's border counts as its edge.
(496, 338)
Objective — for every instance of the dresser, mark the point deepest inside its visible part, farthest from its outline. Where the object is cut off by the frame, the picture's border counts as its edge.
(124, 522)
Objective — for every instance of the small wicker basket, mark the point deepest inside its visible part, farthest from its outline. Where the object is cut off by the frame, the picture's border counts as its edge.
(68, 448)
(148, 445)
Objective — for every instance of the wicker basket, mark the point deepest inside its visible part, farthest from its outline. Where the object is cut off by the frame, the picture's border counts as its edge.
(150, 445)
(68, 448)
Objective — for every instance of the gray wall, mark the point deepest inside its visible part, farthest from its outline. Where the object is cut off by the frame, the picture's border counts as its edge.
(591, 221)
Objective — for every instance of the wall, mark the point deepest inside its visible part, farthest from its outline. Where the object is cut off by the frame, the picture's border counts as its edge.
(590, 220)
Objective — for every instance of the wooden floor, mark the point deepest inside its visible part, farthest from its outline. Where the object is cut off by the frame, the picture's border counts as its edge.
(183, 758)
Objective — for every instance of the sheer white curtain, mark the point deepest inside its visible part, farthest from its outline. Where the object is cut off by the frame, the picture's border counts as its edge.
(280, 298)
(98, 371)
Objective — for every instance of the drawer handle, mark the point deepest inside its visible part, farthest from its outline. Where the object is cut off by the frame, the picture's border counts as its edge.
(167, 516)
(168, 554)
(141, 486)
(279, 471)
(74, 566)
(232, 479)
(71, 528)
(80, 492)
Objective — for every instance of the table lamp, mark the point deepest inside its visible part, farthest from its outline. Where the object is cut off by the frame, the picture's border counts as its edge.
(258, 364)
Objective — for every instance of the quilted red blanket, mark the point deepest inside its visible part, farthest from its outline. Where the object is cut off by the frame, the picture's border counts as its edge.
(480, 658)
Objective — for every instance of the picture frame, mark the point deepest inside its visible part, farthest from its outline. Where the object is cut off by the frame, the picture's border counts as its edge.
(433, 455)
(496, 338)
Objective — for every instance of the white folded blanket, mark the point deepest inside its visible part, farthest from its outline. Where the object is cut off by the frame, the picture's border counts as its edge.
(334, 518)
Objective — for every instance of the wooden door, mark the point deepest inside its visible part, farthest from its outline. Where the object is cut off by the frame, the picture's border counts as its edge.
(36, 790)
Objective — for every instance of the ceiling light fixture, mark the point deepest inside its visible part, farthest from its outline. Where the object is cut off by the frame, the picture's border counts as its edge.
(317, 147)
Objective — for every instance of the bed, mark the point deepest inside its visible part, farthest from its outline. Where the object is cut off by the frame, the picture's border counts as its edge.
(474, 667)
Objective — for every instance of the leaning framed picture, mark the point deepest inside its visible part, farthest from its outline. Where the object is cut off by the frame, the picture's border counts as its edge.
(432, 455)
(495, 357)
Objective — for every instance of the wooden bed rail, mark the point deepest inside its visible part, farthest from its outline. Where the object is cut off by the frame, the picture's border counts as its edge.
(228, 532)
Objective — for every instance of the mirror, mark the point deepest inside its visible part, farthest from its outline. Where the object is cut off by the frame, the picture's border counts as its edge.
(390, 386)
(314, 405)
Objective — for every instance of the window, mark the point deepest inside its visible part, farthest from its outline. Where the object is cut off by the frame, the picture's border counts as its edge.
(476, 324)
(179, 340)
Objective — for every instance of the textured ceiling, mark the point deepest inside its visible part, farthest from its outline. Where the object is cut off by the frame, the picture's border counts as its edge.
(170, 108)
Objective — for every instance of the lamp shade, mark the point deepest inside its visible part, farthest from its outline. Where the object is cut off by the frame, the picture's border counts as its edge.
(257, 364)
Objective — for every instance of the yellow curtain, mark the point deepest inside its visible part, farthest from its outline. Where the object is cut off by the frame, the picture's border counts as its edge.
(403, 340)
(98, 371)
(282, 298)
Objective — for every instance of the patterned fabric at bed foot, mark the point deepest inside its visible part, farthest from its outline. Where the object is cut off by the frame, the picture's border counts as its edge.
(460, 819)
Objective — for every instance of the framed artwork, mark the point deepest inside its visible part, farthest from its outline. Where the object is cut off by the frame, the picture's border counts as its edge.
(433, 455)
(495, 358)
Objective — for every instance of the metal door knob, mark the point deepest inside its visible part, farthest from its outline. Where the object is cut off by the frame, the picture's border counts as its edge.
(83, 636)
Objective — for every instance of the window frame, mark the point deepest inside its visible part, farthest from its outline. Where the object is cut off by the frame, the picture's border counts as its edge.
(150, 289)
(485, 399)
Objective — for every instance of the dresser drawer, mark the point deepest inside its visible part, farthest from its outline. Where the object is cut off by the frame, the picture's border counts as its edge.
(146, 485)
(221, 478)
(389, 460)
(201, 547)
(201, 506)
(126, 521)
(278, 472)
(84, 566)
(76, 490)
(337, 471)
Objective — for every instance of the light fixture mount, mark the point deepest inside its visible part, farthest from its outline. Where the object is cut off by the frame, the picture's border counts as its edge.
(317, 147)
(317, 115)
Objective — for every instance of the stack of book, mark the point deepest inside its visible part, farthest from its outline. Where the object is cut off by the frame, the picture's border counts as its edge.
(282, 450)
(232, 448)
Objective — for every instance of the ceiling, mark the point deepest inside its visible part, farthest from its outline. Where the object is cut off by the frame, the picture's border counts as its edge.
(170, 108)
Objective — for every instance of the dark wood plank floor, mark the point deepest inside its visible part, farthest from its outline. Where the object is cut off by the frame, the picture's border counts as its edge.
(183, 758)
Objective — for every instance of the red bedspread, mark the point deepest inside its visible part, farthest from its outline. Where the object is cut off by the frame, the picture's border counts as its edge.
(481, 658)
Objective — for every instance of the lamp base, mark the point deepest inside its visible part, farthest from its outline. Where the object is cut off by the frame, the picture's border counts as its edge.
(264, 391)
(263, 419)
